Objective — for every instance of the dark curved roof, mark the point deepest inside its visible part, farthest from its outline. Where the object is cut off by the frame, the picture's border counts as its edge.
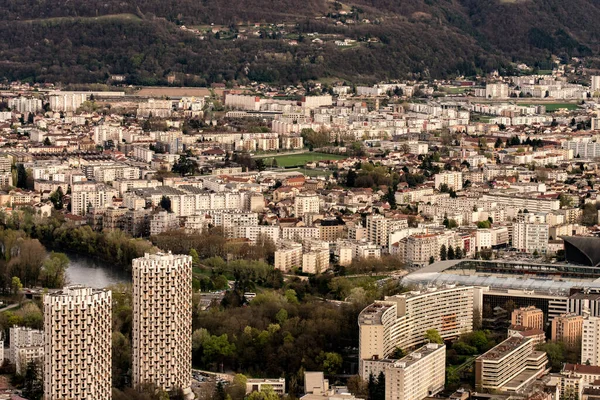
(583, 250)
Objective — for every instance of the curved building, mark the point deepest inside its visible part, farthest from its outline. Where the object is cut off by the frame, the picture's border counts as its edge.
(402, 320)
(584, 250)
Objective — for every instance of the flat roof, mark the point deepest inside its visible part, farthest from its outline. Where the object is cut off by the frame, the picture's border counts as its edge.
(504, 348)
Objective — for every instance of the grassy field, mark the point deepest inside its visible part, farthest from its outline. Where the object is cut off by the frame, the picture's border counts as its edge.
(551, 107)
(299, 160)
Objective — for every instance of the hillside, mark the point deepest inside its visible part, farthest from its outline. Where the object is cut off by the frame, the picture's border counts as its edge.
(87, 41)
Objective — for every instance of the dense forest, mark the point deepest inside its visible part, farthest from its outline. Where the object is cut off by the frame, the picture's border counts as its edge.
(88, 41)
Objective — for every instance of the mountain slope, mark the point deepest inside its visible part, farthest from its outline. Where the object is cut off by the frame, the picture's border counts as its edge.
(402, 38)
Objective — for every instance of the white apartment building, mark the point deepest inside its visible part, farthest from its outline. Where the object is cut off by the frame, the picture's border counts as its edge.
(402, 320)
(496, 91)
(453, 180)
(377, 229)
(163, 221)
(418, 249)
(230, 219)
(530, 204)
(86, 195)
(67, 101)
(252, 232)
(419, 375)
(299, 233)
(25, 104)
(509, 366)
(26, 346)
(306, 203)
(316, 256)
(162, 321)
(78, 344)
(530, 233)
(590, 341)
(288, 255)
(155, 108)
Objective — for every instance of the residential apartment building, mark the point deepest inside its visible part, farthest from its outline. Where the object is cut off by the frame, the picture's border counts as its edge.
(87, 195)
(162, 321)
(402, 320)
(453, 180)
(306, 203)
(288, 255)
(590, 341)
(163, 221)
(78, 342)
(567, 328)
(26, 346)
(530, 233)
(419, 375)
(529, 317)
(509, 366)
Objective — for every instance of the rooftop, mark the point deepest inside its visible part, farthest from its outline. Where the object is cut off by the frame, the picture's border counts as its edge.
(504, 348)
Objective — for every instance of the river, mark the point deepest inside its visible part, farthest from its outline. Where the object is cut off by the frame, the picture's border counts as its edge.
(94, 273)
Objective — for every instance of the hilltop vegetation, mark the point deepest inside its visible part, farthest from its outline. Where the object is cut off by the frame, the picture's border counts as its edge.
(394, 39)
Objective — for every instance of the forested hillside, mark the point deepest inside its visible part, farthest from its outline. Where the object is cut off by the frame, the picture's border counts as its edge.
(90, 40)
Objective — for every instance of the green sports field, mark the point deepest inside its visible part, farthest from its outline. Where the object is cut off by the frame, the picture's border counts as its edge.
(299, 160)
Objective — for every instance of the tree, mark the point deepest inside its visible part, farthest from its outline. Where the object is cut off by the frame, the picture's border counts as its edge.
(266, 393)
(484, 224)
(185, 166)
(165, 203)
(259, 164)
(391, 198)
(57, 198)
(351, 178)
(433, 336)
(589, 215)
(450, 253)
(458, 253)
(54, 270)
(16, 285)
(498, 143)
(431, 260)
(33, 387)
(195, 257)
(443, 253)
(331, 362)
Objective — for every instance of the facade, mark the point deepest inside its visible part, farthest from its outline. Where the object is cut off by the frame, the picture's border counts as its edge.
(509, 366)
(255, 385)
(288, 255)
(529, 317)
(78, 344)
(453, 180)
(419, 375)
(162, 321)
(567, 328)
(590, 341)
(163, 221)
(306, 203)
(26, 346)
(530, 233)
(402, 320)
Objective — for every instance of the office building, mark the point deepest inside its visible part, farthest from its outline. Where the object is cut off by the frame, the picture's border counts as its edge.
(509, 366)
(256, 385)
(567, 329)
(78, 344)
(529, 317)
(162, 321)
